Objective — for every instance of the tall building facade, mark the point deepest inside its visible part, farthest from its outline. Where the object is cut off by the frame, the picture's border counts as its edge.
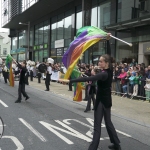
(47, 27)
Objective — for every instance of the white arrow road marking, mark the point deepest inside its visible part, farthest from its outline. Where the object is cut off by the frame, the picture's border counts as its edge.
(16, 141)
(3, 103)
(33, 130)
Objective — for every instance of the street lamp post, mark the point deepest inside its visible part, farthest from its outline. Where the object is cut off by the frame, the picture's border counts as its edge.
(27, 24)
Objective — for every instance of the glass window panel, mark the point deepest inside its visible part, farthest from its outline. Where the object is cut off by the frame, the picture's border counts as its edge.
(46, 31)
(45, 54)
(67, 27)
(41, 33)
(36, 56)
(67, 42)
(36, 35)
(41, 56)
(22, 39)
(21, 57)
(94, 17)
(104, 15)
(79, 20)
(60, 29)
(14, 43)
(53, 32)
(31, 37)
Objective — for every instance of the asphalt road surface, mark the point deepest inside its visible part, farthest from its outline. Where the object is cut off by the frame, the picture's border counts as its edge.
(52, 122)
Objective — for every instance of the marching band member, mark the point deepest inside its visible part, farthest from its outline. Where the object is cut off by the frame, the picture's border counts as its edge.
(48, 73)
(21, 88)
(103, 103)
(5, 73)
(31, 72)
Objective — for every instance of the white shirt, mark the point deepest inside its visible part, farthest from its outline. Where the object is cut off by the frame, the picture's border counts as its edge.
(49, 69)
(31, 68)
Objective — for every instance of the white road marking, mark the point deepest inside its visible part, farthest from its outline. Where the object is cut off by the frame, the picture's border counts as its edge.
(33, 130)
(125, 134)
(3, 103)
(16, 142)
(71, 131)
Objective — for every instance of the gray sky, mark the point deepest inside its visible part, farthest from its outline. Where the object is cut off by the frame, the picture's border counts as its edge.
(2, 29)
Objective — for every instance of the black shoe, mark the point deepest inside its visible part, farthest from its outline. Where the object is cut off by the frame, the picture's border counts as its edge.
(46, 90)
(84, 99)
(27, 98)
(18, 101)
(114, 147)
(93, 109)
(87, 110)
(69, 90)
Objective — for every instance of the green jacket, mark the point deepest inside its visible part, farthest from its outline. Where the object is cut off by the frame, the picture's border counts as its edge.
(136, 80)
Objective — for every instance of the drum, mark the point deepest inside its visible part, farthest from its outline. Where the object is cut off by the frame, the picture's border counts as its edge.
(42, 68)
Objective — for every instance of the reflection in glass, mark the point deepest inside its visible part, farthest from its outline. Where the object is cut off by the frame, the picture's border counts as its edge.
(46, 31)
(104, 15)
(94, 17)
(67, 27)
(79, 21)
(22, 39)
(53, 32)
(60, 29)
(14, 43)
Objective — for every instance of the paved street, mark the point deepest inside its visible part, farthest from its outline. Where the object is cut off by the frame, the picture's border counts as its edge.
(52, 121)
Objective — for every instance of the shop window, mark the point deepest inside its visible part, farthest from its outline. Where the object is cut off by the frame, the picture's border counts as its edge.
(36, 56)
(40, 33)
(46, 31)
(41, 56)
(60, 27)
(78, 20)
(45, 54)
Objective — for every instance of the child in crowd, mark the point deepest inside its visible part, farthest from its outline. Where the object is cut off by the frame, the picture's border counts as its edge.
(136, 84)
(147, 89)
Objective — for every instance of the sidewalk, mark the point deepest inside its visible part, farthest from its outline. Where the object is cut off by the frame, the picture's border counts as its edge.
(133, 110)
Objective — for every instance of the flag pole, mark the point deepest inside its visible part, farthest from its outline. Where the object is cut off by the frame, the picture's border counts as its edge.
(130, 44)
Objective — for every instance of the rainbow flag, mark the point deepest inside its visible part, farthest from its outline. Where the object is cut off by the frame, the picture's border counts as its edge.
(85, 38)
(77, 86)
(9, 66)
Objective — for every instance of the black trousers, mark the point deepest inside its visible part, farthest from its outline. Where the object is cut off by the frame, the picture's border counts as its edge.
(70, 86)
(90, 97)
(31, 75)
(21, 90)
(26, 78)
(39, 77)
(47, 81)
(99, 113)
(86, 92)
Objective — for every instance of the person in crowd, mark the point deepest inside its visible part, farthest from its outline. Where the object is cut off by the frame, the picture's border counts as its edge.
(148, 72)
(125, 87)
(31, 73)
(147, 89)
(87, 73)
(122, 77)
(136, 84)
(21, 88)
(91, 92)
(48, 76)
(131, 83)
(133, 63)
(117, 80)
(5, 73)
(103, 103)
(142, 82)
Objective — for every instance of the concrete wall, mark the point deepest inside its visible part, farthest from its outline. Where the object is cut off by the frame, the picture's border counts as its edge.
(141, 57)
